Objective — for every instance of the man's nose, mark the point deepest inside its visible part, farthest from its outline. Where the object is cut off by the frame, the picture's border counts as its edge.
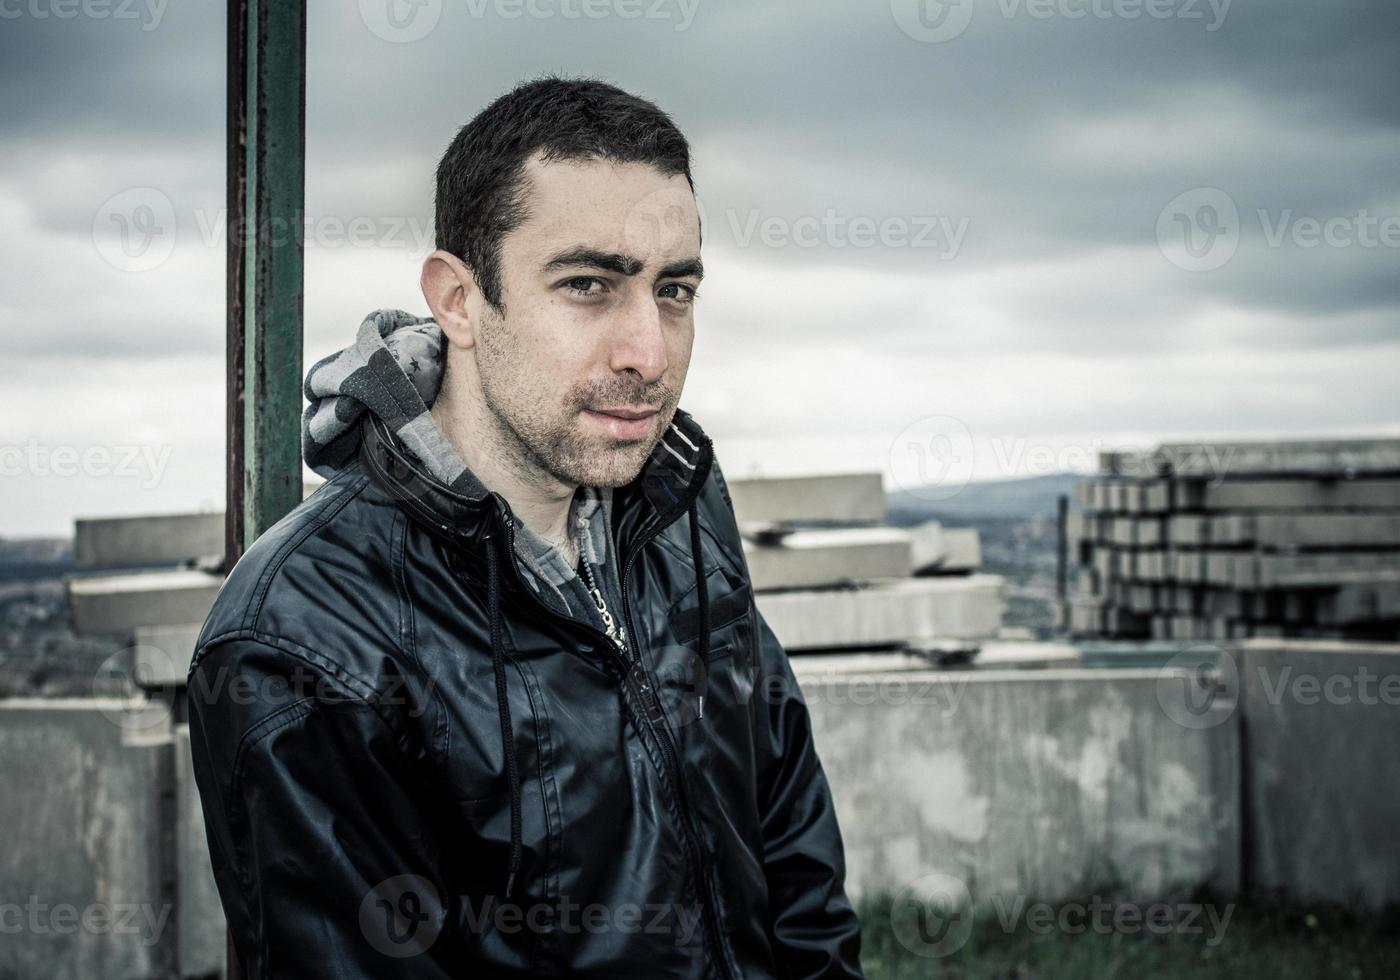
(639, 338)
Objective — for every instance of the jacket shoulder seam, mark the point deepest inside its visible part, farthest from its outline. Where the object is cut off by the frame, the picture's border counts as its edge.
(314, 521)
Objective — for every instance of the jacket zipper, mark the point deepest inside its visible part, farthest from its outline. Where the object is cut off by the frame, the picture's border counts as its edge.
(642, 690)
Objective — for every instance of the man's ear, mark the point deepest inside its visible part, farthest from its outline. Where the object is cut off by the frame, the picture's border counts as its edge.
(450, 288)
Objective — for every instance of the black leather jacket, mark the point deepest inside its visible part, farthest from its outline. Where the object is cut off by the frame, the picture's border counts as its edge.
(410, 766)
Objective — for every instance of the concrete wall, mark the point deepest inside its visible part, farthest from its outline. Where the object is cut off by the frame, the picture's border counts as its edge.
(1322, 784)
(1041, 784)
(83, 890)
(1038, 784)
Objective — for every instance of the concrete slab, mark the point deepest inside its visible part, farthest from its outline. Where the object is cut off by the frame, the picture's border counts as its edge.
(1324, 721)
(827, 556)
(118, 604)
(147, 540)
(854, 497)
(886, 613)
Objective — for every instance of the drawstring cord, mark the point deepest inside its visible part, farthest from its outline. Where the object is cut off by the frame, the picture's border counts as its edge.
(697, 559)
(498, 663)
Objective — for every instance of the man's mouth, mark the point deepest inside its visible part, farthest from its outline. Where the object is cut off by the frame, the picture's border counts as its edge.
(624, 423)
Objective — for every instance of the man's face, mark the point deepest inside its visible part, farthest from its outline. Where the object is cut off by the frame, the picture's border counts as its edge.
(597, 285)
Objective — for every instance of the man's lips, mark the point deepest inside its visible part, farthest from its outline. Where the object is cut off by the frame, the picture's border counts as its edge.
(627, 413)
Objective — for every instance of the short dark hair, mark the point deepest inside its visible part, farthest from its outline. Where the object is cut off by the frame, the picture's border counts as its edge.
(480, 179)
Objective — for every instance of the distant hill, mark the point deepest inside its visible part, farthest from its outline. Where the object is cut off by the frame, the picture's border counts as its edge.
(1025, 498)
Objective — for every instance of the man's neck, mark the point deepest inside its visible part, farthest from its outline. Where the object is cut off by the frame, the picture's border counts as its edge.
(539, 500)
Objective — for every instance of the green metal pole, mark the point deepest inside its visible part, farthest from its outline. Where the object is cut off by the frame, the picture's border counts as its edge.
(265, 187)
(266, 202)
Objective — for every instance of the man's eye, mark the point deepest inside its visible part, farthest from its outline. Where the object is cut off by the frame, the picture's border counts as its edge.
(686, 294)
(579, 285)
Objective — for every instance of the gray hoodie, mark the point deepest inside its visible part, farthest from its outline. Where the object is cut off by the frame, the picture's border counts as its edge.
(394, 370)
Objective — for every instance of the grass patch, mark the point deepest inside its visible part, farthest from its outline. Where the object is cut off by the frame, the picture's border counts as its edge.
(1198, 937)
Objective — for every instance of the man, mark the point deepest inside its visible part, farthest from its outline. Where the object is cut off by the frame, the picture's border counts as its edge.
(496, 700)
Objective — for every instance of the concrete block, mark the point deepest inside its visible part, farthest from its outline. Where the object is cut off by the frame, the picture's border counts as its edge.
(1188, 530)
(82, 813)
(926, 549)
(147, 540)
(823, 557)
(1324, 720)
(1360, 602)
(1279, 532)
(963, 550)
(161, 655)
(1031, 784)
(200, 918)
(1289, 494)
(886, 613)
(118, 604)
(1318, 569)
(854, 497)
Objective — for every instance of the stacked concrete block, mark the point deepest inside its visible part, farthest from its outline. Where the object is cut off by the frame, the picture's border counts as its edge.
(1218, 541)
(829, 574)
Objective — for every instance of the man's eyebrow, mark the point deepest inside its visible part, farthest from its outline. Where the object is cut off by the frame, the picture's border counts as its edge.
(625, 265)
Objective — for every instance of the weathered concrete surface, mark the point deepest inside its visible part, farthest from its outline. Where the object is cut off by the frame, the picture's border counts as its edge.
(821, 557)
(82, 860)
(120, 603)
(147, 540)
(886, 613)
(1321, 788)
(201, 917)
(161, 654)
(854, 497)
(1043, 784)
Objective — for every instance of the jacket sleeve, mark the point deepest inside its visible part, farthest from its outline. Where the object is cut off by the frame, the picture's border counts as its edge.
(324, 866)
(815, 929)
(812, 921)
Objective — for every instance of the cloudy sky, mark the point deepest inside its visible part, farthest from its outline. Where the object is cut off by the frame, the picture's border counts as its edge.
(1014, 231)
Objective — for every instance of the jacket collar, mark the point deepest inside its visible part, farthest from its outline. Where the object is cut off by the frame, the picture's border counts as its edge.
(671, 478)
